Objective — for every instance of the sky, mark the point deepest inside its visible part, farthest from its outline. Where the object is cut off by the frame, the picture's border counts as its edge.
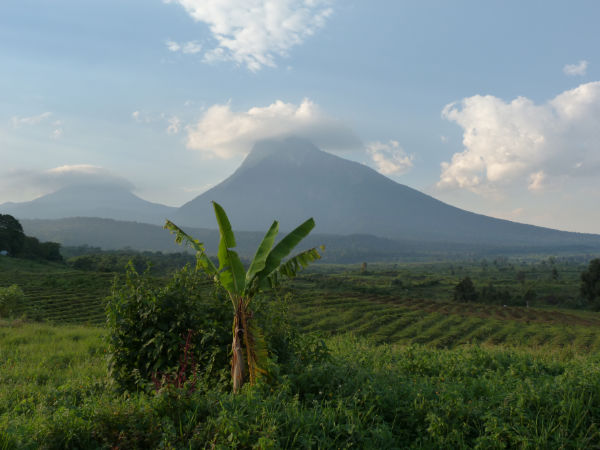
(493, 107)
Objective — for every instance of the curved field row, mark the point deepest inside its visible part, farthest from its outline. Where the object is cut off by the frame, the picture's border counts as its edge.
(444, 324)
(61, 296)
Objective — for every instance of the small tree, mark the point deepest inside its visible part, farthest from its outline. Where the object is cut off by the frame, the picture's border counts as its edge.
(12, 237)
(266, 270)
(465, 291)
(590, 283)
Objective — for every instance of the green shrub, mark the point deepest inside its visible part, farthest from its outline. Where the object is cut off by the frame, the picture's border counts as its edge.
(148, 325)
(11, 300)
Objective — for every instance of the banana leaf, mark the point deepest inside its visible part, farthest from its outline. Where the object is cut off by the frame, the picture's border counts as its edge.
(284, 247)
(231, 270)
(202, 260)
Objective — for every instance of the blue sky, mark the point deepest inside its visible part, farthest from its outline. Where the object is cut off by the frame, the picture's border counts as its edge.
(490, 106)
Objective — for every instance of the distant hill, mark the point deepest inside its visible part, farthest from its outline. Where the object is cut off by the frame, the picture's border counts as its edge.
(110, 234)
(291, 180)
(93, 200)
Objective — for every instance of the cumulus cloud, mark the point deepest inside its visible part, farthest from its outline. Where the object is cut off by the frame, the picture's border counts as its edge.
(520, 143)
(254, 32)
(223, 133)
(188, 48)
(576, 69)
(390, 158)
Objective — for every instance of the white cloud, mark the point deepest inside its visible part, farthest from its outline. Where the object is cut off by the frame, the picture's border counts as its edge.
(189, 48)
(255, 32)
(174, 125)
(576, 69)
(32, 183)
(224, 133)
(32, 120)
(192, 48)
(77, 174)
(173, 46)
(390, 158)
(536, 181)
(524, 144)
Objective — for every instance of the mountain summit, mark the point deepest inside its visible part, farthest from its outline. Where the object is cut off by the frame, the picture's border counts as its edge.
(291, 180)
(91, 200)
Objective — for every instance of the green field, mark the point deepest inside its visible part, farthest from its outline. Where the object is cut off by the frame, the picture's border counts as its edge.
(56, 293)
(408, 303)
(408, 367)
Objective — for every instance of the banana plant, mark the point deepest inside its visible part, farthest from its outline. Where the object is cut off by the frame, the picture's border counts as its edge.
(265, 271)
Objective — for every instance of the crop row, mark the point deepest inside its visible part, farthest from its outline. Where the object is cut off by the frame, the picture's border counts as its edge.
(446, 325)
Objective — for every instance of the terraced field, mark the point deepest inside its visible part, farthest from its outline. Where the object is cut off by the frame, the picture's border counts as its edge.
(335, 303)
(57, 294)
(441, 323)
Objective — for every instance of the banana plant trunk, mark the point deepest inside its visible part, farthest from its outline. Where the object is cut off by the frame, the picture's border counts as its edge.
(237, 357)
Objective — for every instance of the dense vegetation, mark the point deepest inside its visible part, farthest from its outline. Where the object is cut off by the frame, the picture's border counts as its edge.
(55, 394)
(396, 362)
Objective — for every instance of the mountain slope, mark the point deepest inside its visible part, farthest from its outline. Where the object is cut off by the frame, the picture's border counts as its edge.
(94, 200)
(292, 180)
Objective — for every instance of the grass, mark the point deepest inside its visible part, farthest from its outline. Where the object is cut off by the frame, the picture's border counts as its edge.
(55, 393)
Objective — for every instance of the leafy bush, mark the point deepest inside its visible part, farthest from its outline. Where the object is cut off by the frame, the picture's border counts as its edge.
(148, 325)
(11, 298)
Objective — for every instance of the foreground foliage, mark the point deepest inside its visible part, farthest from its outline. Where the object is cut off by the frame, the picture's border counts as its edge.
(265, 271)
(148, 323)
(54, 393)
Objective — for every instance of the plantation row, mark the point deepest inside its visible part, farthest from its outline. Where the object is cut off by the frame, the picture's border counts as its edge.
(446, 324)
(340, 301)
(57, 294)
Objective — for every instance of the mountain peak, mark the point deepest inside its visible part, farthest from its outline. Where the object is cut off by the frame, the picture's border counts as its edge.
(290, 179)
(291, 149)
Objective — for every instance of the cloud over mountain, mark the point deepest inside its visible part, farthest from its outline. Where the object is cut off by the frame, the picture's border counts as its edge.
(254, 32)
(224, 133)
(39, 182)
(521, 144)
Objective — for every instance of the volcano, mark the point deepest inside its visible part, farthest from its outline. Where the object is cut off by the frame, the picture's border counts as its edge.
(291, 179)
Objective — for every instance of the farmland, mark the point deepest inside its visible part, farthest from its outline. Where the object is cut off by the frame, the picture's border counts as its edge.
(57, 294)
(406, 366)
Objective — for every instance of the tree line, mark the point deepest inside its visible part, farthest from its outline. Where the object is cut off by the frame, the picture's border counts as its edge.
(14, 242)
